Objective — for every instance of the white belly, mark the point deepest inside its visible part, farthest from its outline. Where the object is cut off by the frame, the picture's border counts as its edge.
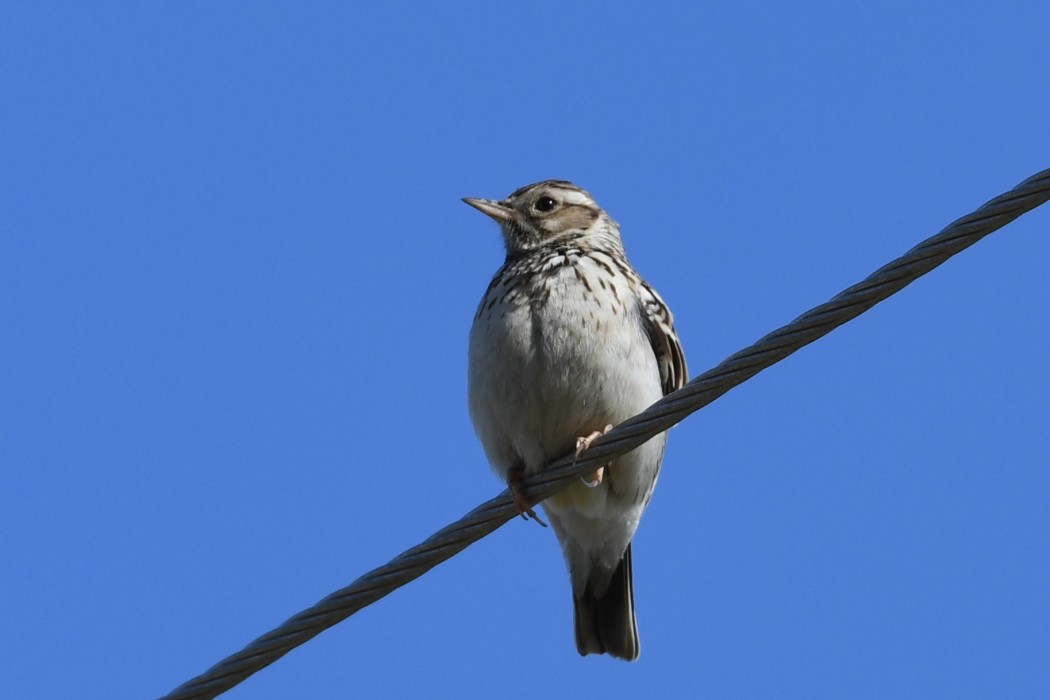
(542, 375)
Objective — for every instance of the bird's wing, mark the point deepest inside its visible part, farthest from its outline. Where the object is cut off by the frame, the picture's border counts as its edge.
(668, 350)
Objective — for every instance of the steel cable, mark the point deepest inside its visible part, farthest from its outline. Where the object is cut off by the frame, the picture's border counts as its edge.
(670, 410)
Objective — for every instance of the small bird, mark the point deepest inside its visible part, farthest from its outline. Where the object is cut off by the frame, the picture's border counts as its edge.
(568, 341)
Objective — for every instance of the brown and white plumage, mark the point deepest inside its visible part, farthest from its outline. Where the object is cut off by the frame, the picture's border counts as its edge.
(567, 340)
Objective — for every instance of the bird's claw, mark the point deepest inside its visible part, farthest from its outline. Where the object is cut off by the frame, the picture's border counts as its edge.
(526, 511)
(582, 443)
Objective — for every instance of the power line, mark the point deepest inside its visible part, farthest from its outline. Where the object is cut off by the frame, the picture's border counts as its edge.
(670, 410)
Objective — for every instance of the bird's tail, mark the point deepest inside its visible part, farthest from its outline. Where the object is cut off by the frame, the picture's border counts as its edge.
(605, 623)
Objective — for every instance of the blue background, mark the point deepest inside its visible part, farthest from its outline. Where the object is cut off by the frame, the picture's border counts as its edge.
(236, 282)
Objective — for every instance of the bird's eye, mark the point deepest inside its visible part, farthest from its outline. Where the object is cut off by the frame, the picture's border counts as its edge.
(544, 204)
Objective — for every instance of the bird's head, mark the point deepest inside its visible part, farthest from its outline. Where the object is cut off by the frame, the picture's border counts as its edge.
(546, 212)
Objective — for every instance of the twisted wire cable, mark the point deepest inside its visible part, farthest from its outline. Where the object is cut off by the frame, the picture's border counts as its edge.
(665, 413)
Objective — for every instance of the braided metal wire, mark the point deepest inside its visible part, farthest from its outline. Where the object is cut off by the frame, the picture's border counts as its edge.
(701, 391)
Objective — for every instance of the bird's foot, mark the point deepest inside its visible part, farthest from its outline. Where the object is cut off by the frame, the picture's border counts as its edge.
(514, 478)
(594, 478)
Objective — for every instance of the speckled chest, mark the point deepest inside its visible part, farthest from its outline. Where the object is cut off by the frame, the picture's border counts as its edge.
(564, 290)
(550, 320)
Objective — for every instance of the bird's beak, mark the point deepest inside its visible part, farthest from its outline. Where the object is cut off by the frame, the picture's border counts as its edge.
(497, 210)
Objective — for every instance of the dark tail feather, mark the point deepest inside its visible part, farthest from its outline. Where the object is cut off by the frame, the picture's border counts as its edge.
(606, 624)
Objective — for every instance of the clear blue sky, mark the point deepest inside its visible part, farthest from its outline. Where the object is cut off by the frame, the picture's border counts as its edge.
(236, 282)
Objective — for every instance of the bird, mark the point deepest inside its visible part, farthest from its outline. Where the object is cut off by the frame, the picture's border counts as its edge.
(569, 340)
